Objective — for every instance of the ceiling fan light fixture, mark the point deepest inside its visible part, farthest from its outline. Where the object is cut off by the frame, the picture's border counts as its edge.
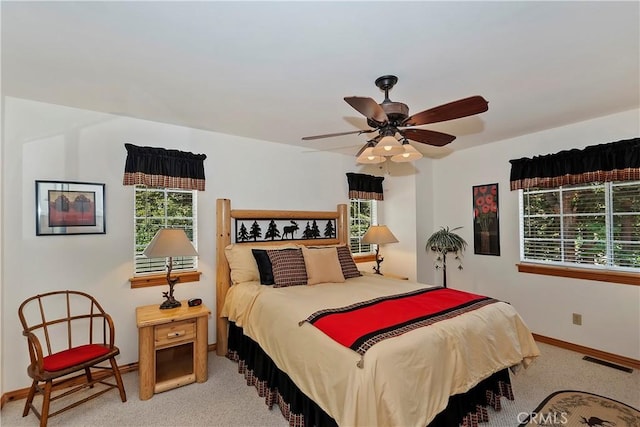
(368, 157)
(410, 154)
(388, 146)
(390, 118)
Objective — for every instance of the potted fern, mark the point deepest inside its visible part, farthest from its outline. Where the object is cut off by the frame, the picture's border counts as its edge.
(443, 242)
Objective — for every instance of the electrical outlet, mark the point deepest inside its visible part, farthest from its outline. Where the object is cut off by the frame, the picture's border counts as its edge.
(577, 319)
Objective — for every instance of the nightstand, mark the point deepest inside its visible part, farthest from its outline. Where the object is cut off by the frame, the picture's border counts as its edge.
(172, 347)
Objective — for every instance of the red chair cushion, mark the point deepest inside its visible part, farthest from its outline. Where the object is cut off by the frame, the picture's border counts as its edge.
(74, 356)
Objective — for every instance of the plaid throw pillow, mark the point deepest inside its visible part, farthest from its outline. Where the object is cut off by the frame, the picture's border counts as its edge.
(349, 268)
(288, 267)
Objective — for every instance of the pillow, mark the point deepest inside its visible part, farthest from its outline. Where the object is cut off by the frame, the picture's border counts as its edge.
(349, 268)
(288, 267)
(264, 266)
(322, 265)
(242, 263)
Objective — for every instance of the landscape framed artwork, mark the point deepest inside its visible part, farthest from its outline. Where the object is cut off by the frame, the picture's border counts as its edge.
(486, 220)
(66, 207)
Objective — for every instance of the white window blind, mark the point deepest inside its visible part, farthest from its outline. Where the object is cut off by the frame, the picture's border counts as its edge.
(589, 225)
(363, 214)
(157, 208)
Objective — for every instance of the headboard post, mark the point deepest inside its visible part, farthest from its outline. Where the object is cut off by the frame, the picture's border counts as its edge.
(343, 224)
(223, 280)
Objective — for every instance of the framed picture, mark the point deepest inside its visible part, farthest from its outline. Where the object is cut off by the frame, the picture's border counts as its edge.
(64, 207)
(486, 220)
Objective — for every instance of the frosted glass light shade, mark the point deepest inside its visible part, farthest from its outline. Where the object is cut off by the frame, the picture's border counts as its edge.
(388, 146)
(367, 156)
(410, 154)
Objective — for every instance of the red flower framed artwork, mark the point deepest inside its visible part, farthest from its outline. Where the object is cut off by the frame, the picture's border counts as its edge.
(64, 208)
(486, 226)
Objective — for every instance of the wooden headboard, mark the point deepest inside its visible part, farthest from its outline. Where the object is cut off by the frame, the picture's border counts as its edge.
(224, 226)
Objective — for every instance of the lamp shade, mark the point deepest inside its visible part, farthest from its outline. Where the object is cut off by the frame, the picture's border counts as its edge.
(388, 146)
(379, 234)
(410, 154)
(169, 242)
(367, 156)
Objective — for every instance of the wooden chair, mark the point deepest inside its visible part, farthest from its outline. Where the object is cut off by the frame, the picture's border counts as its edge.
(77, 335)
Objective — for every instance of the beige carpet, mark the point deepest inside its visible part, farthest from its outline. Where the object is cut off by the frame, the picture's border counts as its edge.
(226, 401)
(575, 408)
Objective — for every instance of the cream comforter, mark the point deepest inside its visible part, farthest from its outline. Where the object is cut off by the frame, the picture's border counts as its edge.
(406, 380)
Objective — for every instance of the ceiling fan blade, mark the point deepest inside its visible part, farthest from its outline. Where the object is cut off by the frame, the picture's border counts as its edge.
(330, 135)
(368, 107)
(453, 110)
(426, 136)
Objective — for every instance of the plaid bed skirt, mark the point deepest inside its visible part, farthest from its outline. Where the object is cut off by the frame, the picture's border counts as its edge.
(465, 410)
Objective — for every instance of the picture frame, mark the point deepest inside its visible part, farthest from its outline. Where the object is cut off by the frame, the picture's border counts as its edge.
(69, 208)
(486, 219)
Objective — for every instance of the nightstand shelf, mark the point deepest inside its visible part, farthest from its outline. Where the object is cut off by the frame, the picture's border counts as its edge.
(174, 367)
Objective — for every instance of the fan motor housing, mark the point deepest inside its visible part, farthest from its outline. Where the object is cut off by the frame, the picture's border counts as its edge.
(396, 112)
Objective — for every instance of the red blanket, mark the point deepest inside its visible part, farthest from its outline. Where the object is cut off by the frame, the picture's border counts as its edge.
(361, 325)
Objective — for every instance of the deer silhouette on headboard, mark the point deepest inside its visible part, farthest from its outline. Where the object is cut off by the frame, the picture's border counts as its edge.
(290, 229)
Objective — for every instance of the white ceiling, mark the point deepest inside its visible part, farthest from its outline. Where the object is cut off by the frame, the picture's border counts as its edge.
(278, 71)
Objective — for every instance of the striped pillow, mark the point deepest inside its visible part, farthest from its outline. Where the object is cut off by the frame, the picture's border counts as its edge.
(349, 268)
(288, 267)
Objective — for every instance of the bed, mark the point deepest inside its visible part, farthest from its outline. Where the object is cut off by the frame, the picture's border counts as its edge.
(441, 369)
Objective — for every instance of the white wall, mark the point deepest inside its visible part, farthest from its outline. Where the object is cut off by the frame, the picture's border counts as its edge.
(610, 312)
(1, 245)
(425, 224)
(49, 142)
(398, 212)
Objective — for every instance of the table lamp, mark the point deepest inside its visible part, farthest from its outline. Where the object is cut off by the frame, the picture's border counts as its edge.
(170, 242)
(378, 235)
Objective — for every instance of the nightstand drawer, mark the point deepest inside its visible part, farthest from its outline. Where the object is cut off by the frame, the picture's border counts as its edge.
(172, 333)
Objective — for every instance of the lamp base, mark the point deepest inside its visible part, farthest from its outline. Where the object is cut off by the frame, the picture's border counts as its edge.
(379, 259)
(170, 304)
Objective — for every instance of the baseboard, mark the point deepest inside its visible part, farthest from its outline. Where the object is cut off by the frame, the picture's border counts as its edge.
(124, 369)
(598, 354)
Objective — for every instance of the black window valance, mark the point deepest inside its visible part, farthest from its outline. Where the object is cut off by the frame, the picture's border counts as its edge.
(159, 167)
(615, 161)
(366, 187)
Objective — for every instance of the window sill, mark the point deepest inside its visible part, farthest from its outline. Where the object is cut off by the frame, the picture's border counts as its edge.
(581, 273)
(161, 279)
(364, 258)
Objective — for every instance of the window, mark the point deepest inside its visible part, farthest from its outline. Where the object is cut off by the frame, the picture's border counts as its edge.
(157, 208)
(362, 214)
(588, 225)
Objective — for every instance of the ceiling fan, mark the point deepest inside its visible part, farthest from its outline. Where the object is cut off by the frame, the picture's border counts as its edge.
(390, 118)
